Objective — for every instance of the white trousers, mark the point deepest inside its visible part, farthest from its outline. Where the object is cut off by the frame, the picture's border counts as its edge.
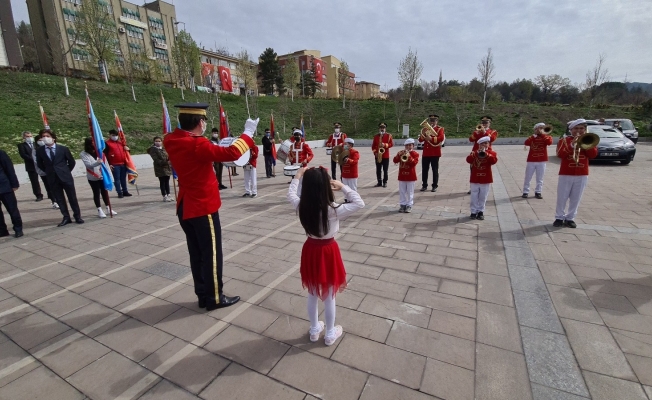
(479, 194)
(329, 313)
(406, 193)
(351, 182)
(250, 180)
(532, 167)
(569, 190)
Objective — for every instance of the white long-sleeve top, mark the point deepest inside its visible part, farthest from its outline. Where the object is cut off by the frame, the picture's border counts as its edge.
(92, 164)
(334, 214)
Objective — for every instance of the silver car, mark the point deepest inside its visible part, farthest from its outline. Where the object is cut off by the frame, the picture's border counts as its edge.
(626, 127)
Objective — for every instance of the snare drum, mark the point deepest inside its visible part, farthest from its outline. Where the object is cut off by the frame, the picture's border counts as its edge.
(283, 151)
(291, 170)
(329, 151)
(240, 162)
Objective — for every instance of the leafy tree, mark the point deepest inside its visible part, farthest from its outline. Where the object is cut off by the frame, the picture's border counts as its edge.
(186, 60)
(27, 47)
(291, 75)
(343, 81)
(309, 85)
(550, 84)
(409, 72)
(269, 71)
(96, 27)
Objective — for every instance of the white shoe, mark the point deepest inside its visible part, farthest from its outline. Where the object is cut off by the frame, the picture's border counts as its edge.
(315, 336)
(112, 211)
(55, 205)
(165, 198)
(333, 335)
(100, 213)
(168, 197)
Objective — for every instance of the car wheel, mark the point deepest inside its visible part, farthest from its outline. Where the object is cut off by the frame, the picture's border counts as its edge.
(635, 140)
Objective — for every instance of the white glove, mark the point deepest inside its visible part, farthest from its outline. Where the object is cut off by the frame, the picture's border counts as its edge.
(250, 126)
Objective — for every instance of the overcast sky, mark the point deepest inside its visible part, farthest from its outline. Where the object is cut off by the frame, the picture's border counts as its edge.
(528, 37)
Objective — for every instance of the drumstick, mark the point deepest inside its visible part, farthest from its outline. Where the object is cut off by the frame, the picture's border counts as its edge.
(230, 183)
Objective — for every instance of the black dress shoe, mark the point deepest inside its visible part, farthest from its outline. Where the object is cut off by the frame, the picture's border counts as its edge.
(223, 187)
(538, 196)
(201, 303)
(558, 223)
(469, 192)
(40, 198)
(19, 233)
(570, 224)
(79, 221)
(120, 195)
(423, 188)
(65, 222)
(4, 233)
(125, 194)
(384, 184)
(524, 195)
(273, 175)
(474, 216)
(225, 301)
(378, 184)
(434, 189)
(480, 216)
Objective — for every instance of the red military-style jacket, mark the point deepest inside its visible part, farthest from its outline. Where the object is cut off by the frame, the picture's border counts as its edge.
(192, 158)
(254, 156)
(305, 155)
(479, 134)
(407, 170)
(481, 167)
(432, 147)
(568, 165)
(331, 140)
(386, 141)
(350, 167)
(538, 147)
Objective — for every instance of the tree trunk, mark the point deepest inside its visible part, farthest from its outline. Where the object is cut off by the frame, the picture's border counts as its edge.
(65, 85)
(247, 102)
(182, 95)
(292, 91)
(343, 100)
(133, 92)
(484, 98)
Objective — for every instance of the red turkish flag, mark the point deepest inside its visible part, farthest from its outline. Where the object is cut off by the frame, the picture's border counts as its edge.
(319, 70)
(225, 77)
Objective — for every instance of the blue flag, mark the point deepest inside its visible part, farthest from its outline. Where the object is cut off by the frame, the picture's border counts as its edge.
(100, 145)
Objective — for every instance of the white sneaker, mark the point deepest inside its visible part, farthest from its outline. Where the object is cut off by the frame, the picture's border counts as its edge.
(168, 197)
(315, 336)
(333, 335)
(55, 205)
(100, 213)
(112, 211)
(165, 198)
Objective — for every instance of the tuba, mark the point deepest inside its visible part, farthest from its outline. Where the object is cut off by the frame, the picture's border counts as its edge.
(586, 141)
(430, 131)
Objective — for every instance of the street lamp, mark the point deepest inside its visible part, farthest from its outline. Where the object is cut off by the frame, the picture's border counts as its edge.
(180, 22)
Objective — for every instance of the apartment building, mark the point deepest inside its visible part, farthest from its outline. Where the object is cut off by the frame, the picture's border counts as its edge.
(219, 71)
(147, 29)
(367, 90)
(10, 55)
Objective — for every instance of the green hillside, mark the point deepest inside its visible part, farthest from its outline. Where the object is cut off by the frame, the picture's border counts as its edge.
(142, 119)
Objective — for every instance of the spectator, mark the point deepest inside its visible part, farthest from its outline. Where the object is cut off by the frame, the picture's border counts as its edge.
(116, 153)
(162, 168)
(25, 152)
(8, 185)
(94, 176)
(42, 173)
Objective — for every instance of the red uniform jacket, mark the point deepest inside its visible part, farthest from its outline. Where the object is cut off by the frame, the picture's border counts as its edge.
(568, 166)
(115, 153)
(478, 134)
(432, 148)
(481, 167)
(254, 156)
(387, 142)
(538, 147)
(192, 158)
(406, 170)
(331, 140)
(350, 167)
(305, 155)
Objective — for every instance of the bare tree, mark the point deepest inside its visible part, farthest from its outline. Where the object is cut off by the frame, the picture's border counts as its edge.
(550, 84)
(409, 72)
(399, 110)
(291, 75)
(283, 109)
(486, 69)
(597, 76)
(343, 81)
(247, 74)
(309, 111)
(96, 28)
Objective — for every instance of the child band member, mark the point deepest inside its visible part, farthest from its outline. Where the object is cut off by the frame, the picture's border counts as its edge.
(250, 181)
(407, 175)
(537, 159)
(481, 161)
(350, 165)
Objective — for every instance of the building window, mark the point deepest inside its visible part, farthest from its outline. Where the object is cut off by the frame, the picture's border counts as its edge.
(155, 23)
(135, 32)
(135, 48)
(161, 54)
(80, 55)
(70, 15)
(131, 14)
(77, 2)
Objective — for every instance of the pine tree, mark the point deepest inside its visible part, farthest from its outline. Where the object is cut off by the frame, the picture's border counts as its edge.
(269, 72)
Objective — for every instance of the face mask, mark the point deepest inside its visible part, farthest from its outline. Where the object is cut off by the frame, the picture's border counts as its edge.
(267, 134)
(382, 131)
(297, 138)
(48, 140)
(337, 130)
(40, 143)
(29, 140)
(215, 135)
(346, 147)
(158, 144)
(114, 138)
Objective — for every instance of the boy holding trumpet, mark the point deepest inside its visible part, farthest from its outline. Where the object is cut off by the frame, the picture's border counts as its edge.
(407, 175)
(481, 161)
(537, 158)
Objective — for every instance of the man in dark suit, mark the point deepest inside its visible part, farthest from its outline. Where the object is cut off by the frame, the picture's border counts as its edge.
(25, 151)
(58, 163)
(8, 185)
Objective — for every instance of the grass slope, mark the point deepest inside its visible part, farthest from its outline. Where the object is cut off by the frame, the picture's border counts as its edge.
(142, 119)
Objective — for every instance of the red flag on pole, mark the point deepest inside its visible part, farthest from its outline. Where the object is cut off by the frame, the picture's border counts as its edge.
(273, 135)
(224, 129)
(225, 78)
(44, 117)
(132, 173)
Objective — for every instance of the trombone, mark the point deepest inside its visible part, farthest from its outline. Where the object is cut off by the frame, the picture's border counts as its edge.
(584, 142)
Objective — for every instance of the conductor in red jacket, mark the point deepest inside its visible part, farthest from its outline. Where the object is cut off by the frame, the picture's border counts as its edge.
(116, 154)
(481, 161)
(198, 203)
(431, 152)
(573, 175)
(537, 159)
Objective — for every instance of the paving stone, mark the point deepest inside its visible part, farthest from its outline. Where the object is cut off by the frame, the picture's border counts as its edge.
(450, 349)
(558, 274)
(366, 355)
(495, 289)
(192, 326)
(381, 389)
(239, 383)
(448, 381)
(127, 276)
(629, 322)
(193, 372)
(286, 303)
(93, 319)
(495, 264)
(382, 288)
(396, 310)
(607, 388)
(551, 362)
(247, 348)
(460, 289)
(402, 256)
(573, 304)
(442, 302)
(540, 392)
(498, 327)
(642, 367)
(452, 324)
(256, 319)
(526, 279)
(134, 339)
(33, 330)
(535, 310)
(116, 373)
(167, 391)
(38, 384)
(410, 279)
(7, 316)
(611, 301)
(33, 289)
(110, 294)
(71, 357)
(335, 381)
(294, 331)
(350, 299)
(11, 355)
(633, 343)
(152, 312)
(521, 257)
(500, 375)
(63, 303)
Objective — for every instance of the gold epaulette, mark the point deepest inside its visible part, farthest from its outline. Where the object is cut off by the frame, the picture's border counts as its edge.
(241, 145)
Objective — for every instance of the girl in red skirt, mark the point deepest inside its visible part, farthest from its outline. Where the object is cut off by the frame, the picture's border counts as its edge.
(322, 269)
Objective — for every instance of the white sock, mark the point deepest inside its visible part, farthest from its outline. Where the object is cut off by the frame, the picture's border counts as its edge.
(313, 314)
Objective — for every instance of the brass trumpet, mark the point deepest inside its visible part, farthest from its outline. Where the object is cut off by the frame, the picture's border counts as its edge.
(482, 154)
(479, 127)
(379, 154)
(547, 130)
(405, 156)
(586, 141)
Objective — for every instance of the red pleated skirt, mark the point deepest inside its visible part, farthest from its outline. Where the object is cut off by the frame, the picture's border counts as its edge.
(322, 267)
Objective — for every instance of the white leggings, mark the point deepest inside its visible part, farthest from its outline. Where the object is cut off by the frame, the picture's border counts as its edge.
(329, 313)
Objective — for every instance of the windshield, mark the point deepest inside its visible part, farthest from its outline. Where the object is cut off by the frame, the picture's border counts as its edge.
(605, 133)
(625, 124)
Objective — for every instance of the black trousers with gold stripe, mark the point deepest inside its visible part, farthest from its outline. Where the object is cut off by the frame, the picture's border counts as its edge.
(204, 238)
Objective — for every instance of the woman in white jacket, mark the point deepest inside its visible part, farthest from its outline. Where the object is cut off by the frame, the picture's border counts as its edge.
(94, 176)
